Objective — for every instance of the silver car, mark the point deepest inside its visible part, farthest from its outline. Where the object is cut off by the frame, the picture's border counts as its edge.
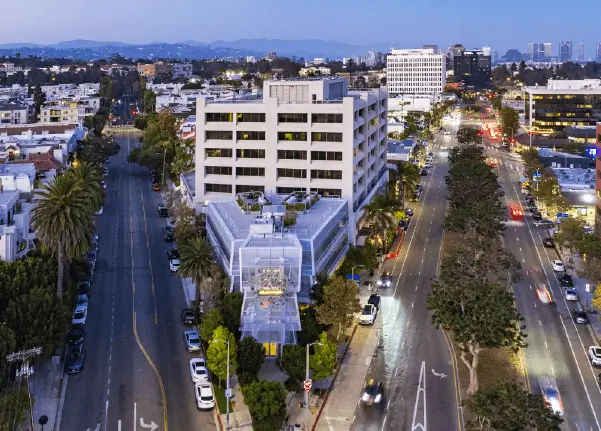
(192, 340)
(570, 294)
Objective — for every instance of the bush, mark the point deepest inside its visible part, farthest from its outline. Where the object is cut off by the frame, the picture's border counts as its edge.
(245, 379)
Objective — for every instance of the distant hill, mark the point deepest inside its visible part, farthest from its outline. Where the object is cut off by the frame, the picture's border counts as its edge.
(82, 43)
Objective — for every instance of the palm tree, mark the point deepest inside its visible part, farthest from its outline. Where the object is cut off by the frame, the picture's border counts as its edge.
(196, 262)
(89, 177)
(380, 211)
(407, 177)
(64, 219)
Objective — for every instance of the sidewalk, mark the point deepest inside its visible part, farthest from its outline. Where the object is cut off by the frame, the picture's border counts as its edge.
(239, 415)
(48, 386)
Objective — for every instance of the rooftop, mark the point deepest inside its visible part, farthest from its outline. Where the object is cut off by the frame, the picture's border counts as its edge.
(17, 169)
(580, 197)
(570, 179)
(12, 106)
(548, 152)
(306, 224)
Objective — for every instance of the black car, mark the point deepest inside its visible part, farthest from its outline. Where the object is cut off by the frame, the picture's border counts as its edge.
(565, 279)
(579, 316)
(419, 187)
(76, 333)
(168, 234)
(403, 225)
(537, 216)
(162, 210)
(372, 393)
(374, 300)
(173, 254)
(424, 172)
(188, 317)
(416, 196)
(84, 288)
(75, 358)
(548, 242)
(408, 212)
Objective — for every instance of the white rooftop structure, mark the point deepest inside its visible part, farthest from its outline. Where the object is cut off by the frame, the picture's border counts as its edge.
(575, 178)
(567, 86)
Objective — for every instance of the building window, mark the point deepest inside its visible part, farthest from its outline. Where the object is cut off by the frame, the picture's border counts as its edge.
(288, 190)
(327, 192)
(226, 117)
(324, 174)
(292, 118)
(218, 170)
(218, 152)
(292, 136)
(250, 154)
(222, 135)
(250, 172)
(254, 117)
(245, 189)
(292, 173)
(326, 137)
(250, 136)
(292, 155)
(326, 118)
(326, 155)
(218, 188)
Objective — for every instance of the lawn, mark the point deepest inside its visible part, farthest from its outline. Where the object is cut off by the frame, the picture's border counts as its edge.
(220, 397)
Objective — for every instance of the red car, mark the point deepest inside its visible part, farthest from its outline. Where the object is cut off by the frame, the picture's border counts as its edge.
(156, 187)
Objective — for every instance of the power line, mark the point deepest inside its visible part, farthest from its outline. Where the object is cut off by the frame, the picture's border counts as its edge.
(25, 370)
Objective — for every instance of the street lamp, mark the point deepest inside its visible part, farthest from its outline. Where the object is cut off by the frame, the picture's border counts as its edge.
(227, 383)
(353, 271)
(307, 378)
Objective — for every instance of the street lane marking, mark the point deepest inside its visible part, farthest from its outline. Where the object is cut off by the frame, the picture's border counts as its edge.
(421, 390)
(154, 299)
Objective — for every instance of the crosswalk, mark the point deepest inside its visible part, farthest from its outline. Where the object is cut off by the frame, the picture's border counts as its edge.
(512, 166)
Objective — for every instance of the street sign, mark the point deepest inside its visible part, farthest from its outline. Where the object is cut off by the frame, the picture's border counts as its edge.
(307, 384)
(563, 215)
(537, 174)
(228, 393)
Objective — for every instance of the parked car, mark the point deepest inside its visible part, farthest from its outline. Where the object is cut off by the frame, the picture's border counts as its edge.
(173, 254)
(205, 399)
(424, 172)
(570, 294)
(558, 266)
(75, 358)
(565, 279)
(76, 333)
(174, 265)
(580, 316)
(80, 315)
(408, 212)
(544, 223)
(82, 299)
(198, 370)
(369, 314)
(168, 234)
(374, 300)
(84, 288)
(594, 355)
(162, 210)
(156, 187)
(103, 184)
(548, 242)
(192, 340)
(188, 317)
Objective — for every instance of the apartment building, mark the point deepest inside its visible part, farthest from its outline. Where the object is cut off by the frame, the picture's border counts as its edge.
(415, 71)
(10, 68)
(64, 91)
(65, 112)
(303, 135)
(15, 113)
(182, 70)
(151, 70)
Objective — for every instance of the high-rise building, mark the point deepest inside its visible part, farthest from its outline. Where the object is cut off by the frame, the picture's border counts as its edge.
(548, 48)
(473, 68)
(415, 71)
(434, 47)
(565, 51)
(581, 53)
(598, 52)
(536, 51)
(301, 135)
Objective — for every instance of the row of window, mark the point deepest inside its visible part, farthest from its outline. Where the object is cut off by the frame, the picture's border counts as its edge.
(227, 135)
(241, 188)
(228, 117)
(282, 154)
(282, 173)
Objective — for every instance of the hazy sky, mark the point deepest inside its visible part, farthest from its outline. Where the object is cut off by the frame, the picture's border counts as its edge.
(400, 23)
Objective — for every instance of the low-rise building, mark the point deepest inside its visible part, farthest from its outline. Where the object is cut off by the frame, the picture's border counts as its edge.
(152, 70)
(17, 177)
(400, 150)
(556, 159)
(15, 113)
(10, 68)
(182, 70)
(16, 238)
(315, 71)
(65, 112)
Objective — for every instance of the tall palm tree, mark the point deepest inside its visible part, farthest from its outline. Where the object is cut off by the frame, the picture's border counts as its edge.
(64, 218)
(407, 177)
(89, 178)
(380, 211)
(196, 262)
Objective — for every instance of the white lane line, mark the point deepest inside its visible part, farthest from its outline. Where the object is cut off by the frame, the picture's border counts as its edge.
(384, 422)
(421, 390)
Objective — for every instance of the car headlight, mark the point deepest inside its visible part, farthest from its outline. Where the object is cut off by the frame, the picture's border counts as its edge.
(388, 283)
(378, 398)
(365, 397)
(379, 282)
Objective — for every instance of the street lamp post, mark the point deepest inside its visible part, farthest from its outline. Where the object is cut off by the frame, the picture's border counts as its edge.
(307, 378)
(353, 271)
(227, 384)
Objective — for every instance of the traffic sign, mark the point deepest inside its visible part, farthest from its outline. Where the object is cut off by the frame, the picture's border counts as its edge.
(563, 215)
(228, 393)
(307, 384)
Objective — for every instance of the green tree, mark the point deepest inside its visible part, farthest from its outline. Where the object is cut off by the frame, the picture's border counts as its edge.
(7, 346)
(316, 293)
(183, 160)
(210, 321)
(89, 179)
(480, 316)
(571, 232)
(310, 327)
(266, 402)
(591, 271)
(14, 402)
(293, 362)
(64, 218)
(231, 309)
(589, 246)
(508, 407)
(251, 355)
(340, 304)
(380, 211)
(510, 120)
(358, 256)
(323, 362)
(150, 101)
(405, 179)
(217, 353)
(196, 263)
(468, 136)
(39, 98)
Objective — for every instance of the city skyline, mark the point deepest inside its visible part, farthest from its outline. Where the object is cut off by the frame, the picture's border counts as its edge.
(475, 25)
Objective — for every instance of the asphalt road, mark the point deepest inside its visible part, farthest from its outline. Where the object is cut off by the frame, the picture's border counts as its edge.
(557, 347)
(136, 369)
(413, 360)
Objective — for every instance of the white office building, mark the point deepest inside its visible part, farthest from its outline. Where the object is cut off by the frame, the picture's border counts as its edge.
(303, 135)
(416, 72)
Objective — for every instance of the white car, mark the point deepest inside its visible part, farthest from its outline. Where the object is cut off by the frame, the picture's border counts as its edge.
(570, 294)
(369, 314)
(198, 370)
(205, 400)
(80, 315)
(106, 172)
(558, 266)
(103, 184)
(100, 211)
(174, 265)
(594, 354)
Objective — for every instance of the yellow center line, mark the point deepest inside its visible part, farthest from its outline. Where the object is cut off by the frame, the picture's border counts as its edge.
(133, 310)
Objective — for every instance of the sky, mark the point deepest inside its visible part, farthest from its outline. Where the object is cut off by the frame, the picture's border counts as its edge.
(399, 23)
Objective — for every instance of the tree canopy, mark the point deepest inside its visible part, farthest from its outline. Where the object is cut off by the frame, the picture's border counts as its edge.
(340, 304)
(266, 402)
(217, 353)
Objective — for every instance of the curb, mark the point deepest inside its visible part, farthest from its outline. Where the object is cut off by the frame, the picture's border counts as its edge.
(325, 399)
(58, 416)
(218, 420)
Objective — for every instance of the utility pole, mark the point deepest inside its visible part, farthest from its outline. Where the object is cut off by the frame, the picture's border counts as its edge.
(25, 370)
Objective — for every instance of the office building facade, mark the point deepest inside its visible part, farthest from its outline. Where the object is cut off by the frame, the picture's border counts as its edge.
(473, 68)
(307, 135)
(565, 51)
(598, 53)
(415, 71)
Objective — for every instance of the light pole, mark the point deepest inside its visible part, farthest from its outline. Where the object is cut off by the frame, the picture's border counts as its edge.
(307, 378)
(353, 271)
(227, 384)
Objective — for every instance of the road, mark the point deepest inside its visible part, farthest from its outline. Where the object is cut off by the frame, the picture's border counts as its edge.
(556, 345)
(413, 359)
(136, 369)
